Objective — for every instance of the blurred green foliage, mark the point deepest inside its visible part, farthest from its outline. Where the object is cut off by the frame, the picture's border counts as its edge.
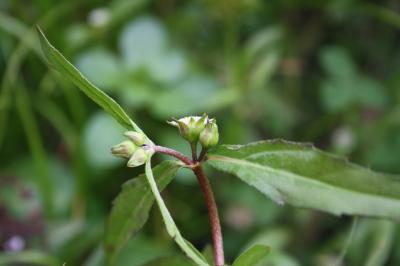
(324, 72)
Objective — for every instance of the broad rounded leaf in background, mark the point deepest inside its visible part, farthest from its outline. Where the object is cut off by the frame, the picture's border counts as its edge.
(203, 94)
(101, 67)
(100, 134)
(303, 176)
(168, 67)
(141, 40)
(136, 94)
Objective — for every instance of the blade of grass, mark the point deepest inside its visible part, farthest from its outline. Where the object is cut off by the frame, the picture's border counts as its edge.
(36, 148)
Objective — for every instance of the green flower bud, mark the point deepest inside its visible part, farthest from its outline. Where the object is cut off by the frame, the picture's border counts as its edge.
(137, 138)
(139, 157)
(209, 136)
(135, 149)
(125, 149)
(190, 127)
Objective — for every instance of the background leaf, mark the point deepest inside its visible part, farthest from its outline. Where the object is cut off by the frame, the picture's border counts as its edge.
(131, 208)
(171, 261)
(300, 175)
(101, 67)
(100, 133)
(28, 258)
(252, 256)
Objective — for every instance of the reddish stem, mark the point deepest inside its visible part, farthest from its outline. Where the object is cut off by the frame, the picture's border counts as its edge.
(209, 198)
(213, 214)
(174, 153)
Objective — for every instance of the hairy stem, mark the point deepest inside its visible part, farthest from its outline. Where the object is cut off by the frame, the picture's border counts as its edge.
(213, 214)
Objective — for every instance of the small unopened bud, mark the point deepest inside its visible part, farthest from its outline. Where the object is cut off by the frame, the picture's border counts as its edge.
(125, 149)
(137, 138)
(138, 158)
(209, 136)
(190, 127)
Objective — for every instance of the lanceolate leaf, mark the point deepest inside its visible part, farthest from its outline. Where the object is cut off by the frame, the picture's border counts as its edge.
(303, 176)
(131, 208)
(252, 256)
(67, 70)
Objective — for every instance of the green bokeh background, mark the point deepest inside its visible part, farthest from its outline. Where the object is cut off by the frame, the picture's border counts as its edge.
(326, 72)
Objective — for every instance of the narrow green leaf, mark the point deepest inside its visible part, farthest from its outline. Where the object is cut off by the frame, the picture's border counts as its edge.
(303, 176)
(170, 225)
(67, 70)
(131, 208)
(252, 256)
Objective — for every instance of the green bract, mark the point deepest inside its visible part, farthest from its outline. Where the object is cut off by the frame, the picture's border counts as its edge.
(132, 149)
(124, 149)
(139, 157)
(190, 127)
(138, 138)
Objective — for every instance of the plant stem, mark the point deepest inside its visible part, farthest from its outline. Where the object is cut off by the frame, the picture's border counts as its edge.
(203, 154)
(173, 153)
(213, 214)
(208, 196)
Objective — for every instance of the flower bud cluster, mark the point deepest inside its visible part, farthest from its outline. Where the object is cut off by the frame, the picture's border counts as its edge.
(198, 128)
(134, 149)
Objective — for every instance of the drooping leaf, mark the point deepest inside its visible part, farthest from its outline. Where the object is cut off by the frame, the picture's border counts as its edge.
(252, 256)
(131, 208)
(303, 176)
(170, 225)
(67, 70)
